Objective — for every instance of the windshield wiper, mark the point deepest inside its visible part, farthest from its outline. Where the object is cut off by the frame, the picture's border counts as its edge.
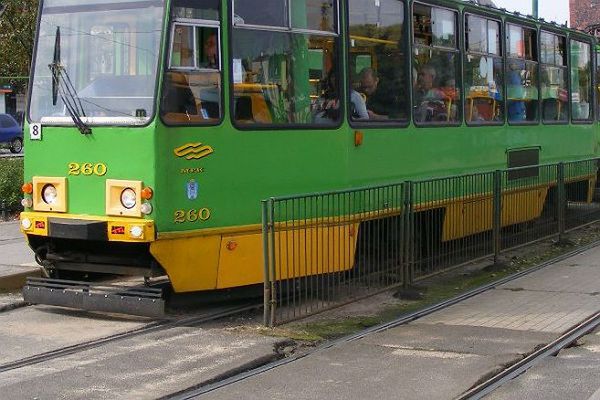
(63, 86)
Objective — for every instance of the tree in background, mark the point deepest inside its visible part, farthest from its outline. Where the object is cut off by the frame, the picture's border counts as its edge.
(17, 29)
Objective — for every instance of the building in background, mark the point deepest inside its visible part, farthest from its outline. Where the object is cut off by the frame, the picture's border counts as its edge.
(7, 100)
(12, 101)
(585, 15)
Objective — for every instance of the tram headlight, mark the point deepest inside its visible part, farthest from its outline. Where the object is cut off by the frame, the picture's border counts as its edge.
(27, 202)
(146, 208)
(128, 198)
(123, 198)
(136, 231)
(26, 223)
(50, 194)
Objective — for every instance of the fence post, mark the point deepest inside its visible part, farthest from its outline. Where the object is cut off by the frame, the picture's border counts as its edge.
(266, 258)
(408, 241)
(273, 271)
(2, 211)
(562, 200)
(497, 217)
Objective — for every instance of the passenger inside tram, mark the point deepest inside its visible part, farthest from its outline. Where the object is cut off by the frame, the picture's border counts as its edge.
(432, 99)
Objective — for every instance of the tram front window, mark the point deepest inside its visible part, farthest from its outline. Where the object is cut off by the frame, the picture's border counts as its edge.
(103, 56)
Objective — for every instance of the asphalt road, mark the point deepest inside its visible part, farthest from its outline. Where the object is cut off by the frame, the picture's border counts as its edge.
(572, 374)
(13, 247)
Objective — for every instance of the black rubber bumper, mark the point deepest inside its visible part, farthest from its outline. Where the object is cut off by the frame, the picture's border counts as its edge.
(77, 229)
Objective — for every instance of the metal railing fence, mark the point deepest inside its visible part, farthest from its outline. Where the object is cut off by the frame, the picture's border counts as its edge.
(323, 250)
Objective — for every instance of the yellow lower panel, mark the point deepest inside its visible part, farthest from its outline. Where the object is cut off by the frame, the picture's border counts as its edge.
(233, 260)
(523, 206)
(312, 251)
(466, 218)
(191, 263)
(591, 187)
(241, 260)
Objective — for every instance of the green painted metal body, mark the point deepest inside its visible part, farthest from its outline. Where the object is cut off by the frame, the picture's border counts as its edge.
(250, 165)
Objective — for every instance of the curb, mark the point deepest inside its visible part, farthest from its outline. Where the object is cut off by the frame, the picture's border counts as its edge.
(17, 280)
(13, 306)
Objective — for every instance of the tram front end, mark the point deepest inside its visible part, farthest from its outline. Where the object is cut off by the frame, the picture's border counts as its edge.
(90, 138)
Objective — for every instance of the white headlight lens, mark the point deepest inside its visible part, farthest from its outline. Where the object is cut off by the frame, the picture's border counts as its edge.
(136, 231)
(27, 202)
(128, 198)
(146, 208)
(26, 223)
(49, 194)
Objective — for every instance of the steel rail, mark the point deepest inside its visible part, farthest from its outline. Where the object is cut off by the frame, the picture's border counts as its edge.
(148, 328)
(579, 330)
(199, 390)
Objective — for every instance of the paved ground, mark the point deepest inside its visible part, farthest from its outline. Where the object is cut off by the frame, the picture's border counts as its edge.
(436, 357)
(444, 354)
(573, 374)
(142, 367)
(13, 247)
(16, 259)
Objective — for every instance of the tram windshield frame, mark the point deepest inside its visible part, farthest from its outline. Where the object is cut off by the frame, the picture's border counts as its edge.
(108, 55)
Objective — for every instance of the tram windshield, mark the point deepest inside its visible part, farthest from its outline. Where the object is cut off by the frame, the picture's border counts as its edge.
(101, 56)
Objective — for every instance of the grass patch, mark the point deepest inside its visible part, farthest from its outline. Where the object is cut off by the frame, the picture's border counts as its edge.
(11, 180)
(325, 330)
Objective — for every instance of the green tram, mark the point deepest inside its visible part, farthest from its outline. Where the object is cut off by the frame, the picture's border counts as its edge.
(156, 127)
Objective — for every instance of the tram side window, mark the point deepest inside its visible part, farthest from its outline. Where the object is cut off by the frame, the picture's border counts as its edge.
(378, 73)
(285, 76)
(192, 82)
(581, 82)
(522, 75)
(436, 94)
(484, 71)
(555, 94)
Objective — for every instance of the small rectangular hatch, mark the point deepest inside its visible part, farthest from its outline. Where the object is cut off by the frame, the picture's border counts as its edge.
(520, 158)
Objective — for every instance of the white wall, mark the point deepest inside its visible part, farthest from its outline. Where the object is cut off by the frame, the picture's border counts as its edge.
(2, 104)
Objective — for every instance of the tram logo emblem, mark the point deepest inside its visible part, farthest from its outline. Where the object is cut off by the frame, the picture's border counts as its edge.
(193, 151)
(192, 189)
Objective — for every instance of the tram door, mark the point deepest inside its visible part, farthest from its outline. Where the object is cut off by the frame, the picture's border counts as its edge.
(191, 107)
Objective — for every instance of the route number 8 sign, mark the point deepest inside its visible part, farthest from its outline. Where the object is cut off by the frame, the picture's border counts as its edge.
(35, 131)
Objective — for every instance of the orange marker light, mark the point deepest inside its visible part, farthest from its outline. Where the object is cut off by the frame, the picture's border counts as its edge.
(358, 138)
(27, 188)
(231, 245)
(147, 193)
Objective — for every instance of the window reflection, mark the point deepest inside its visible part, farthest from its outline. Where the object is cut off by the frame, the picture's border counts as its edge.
(260, 12)
(484, 75)
(378, 75)
(522, 75)
(581, 84)
(554, 77)
(284, 78)
(192, 83)
(436, 95)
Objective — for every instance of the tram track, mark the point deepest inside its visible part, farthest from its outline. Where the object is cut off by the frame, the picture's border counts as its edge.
(152, 327)
(576, 332)
(592, 322)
